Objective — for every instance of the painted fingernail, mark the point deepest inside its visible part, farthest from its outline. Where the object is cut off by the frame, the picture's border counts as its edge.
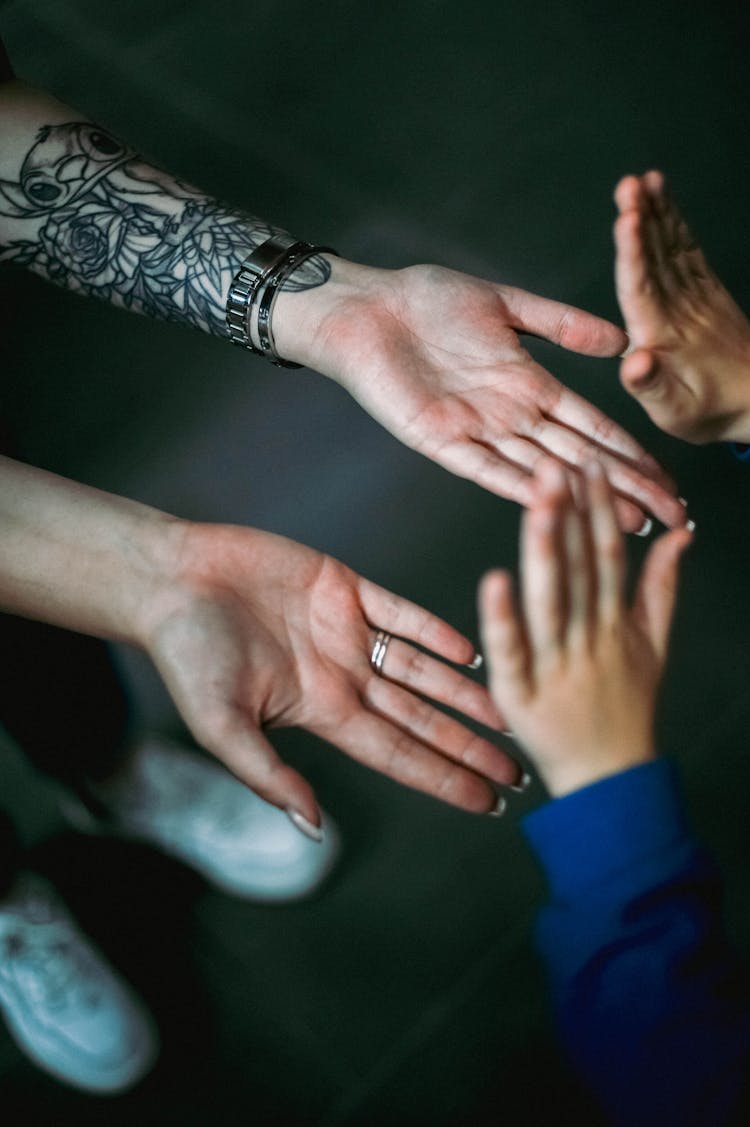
(522, 785)
(645, 528)
(683, 502)
(690, 525)
(315, 833)
(476, 662)
(499, 808)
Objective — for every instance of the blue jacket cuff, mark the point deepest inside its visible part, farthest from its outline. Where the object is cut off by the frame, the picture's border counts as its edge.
(615, 824)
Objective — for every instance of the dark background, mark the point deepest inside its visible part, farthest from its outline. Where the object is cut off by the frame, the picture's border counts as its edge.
(487, 137)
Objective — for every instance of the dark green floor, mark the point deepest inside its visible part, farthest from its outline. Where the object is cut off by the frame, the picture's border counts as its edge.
(486, 136)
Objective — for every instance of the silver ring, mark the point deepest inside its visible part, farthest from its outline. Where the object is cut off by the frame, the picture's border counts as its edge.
(377, 657)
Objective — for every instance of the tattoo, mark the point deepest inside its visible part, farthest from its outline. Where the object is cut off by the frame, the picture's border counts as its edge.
(99, 220)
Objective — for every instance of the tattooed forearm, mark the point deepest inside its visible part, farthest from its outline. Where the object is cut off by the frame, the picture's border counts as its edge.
(89, 214)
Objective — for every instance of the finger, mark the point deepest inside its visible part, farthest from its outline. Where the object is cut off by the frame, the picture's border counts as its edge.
(576, 413)
(541, 543)
(439, 732)
(577, 576)
(636, 291)
(481, 464)
(504, 641)
(669, 402)
(420, 673)
(607, 544)
(639, 371)
(688, 263)
(674, 275)
(562, 324)
(630, 517)
(657, 587)
(656, 249)
(627, 193)
(378, 743)
(646, 495)
(244, 749)
(389, 612)
(571, 450)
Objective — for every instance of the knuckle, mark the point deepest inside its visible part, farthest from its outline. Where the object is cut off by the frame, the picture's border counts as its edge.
(474, 753)
(397, 757)
(412, 664)
(564, 323)
(455, 786)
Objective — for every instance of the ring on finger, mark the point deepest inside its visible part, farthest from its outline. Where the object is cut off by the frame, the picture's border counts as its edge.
(379, 649)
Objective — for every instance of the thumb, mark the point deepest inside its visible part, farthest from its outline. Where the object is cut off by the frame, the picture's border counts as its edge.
(571, 328)
(641, 375)
(657, 587)
(242, 747)
(659, 390)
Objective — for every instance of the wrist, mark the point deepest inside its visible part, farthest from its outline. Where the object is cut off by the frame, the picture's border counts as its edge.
(311, 327)
(578, 772)
(729, 417)
(159, 548)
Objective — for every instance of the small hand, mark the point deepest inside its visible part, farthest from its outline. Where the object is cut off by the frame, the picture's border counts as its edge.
(575, 670)
(435, 356)
(689, 364)
(257, 631)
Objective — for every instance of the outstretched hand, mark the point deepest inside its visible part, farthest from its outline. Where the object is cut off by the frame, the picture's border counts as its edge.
(257, 631)
(689, 364)
(574, 668)
(435, 356)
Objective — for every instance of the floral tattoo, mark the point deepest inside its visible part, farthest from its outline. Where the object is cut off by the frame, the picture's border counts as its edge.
(95, 218)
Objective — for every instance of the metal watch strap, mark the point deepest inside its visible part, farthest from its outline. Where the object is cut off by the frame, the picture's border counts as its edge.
(247, 282)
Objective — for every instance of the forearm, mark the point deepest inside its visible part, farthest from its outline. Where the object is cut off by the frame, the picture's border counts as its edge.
(650, 998)
(80, 558)
(83, 210)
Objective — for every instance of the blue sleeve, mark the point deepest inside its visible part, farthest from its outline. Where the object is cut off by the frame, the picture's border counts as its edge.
(650, 999)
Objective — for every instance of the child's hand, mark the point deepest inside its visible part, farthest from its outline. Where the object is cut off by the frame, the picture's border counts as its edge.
(575, 671)
(689, 359)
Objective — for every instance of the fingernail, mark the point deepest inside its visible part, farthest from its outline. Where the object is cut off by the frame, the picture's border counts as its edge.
(523, 784)
(499, 808)
(508, 732)
(683, 502)
(690, 525)
(315, 833)
(593, 468)
(476, 662)
(645, 528)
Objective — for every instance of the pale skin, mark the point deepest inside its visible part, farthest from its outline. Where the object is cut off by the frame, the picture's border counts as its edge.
(573, 667)
(250, 631)
(689, 359)
(432, 354)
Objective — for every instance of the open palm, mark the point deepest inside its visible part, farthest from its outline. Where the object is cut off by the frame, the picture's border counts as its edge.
(436, 357)
(258, 631)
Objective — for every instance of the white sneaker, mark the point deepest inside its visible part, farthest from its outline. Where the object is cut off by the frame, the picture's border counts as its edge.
(193, 809)
(63, 1004)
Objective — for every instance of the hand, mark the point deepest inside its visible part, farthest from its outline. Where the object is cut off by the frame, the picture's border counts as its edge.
(254, 631)
(434, 356)
(689, 364)
(575, 671)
